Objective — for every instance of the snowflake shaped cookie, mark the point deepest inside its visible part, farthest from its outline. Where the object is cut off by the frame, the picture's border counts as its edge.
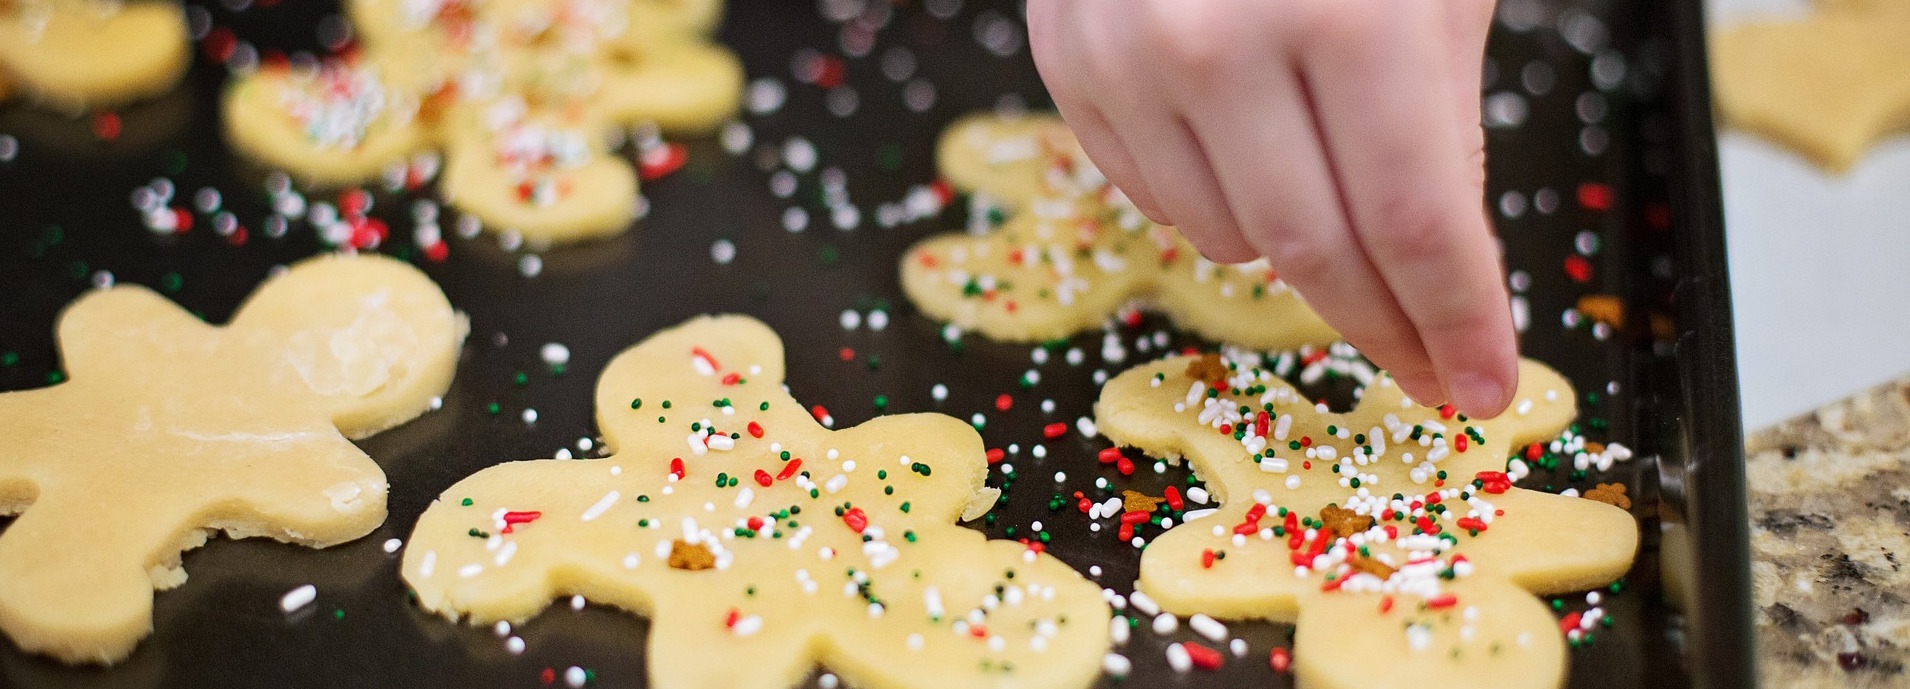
(170, 430)
(1391, 535)
(760, 544)
(1073, 251)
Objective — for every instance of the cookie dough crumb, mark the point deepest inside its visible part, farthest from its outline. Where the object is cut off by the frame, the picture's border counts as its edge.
(694, 557)
(1611, 494)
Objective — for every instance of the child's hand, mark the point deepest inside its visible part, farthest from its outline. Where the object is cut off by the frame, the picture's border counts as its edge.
(1338, 138)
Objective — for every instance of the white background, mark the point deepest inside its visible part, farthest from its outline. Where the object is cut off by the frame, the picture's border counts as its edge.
(1820, 262)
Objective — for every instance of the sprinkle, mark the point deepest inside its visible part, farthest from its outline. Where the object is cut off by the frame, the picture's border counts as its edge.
(1178, 658)
(1115, 664)
(1208, 627)
(574, 677)
(1165, 623)
(554, 354)
(603, 505)
(298, 598)
(392, 545)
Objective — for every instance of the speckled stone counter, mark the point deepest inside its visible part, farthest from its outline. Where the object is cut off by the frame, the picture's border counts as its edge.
(1830, 539)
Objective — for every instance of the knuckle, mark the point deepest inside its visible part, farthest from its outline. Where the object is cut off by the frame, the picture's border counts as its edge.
(1189, 36)
(1411, 227)
(1298, 261)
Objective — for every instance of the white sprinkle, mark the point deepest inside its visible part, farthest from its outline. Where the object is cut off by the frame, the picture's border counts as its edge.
(827, 681)
(298, 598)
(576, 602)
(530, 266)
(1118, 629)
(505, 554)
(430, 563)
(392, 545)
(574, 676)
(1143, 603)
(1165, 623)
(603, 505)
(502, 628)
(722, 251)
(850, 319)
(836, 484)
(555, 354)
(1238, 647)
(748, 626)
(530, 415)
(1116, 665)
(1178, 659)
(470, 570)
(1207, 627)
(514, 645)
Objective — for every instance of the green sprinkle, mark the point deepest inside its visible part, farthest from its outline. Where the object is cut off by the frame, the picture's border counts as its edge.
(466, 503)
(636, 403)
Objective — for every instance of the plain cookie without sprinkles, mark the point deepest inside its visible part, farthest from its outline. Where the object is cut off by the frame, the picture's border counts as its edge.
(760, 544)
(170, 430)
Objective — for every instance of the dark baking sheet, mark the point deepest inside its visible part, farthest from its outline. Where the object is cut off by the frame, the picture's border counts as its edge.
(1668, 390)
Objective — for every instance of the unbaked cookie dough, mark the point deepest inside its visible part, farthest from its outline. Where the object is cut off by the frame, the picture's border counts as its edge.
(523, 98)
(759, 544)
(75, 55)
(1073, 251)
(1391, 535)
(170, 430)
(1828, 86)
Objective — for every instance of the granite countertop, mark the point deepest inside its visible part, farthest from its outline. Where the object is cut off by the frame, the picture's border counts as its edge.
(1830, 539)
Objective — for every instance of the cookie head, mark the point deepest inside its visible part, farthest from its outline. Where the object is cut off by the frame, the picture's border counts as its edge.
(360, 339)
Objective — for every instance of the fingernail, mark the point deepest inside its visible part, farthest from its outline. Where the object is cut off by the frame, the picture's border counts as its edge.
(1423, 388)
(1480, 395)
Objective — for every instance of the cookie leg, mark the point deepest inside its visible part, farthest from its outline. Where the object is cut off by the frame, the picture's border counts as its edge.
(682, 631)
(69, 587)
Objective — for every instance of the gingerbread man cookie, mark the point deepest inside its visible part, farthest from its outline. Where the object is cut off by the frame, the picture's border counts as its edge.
(1828, 86)
(76, 55)
(169, 430)
(1391, 536)
(1073, 251)
(760, 544)
(522, 96)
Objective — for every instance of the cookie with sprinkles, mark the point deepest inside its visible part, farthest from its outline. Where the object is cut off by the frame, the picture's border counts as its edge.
(522, 98)
(760, 544)
(1390, 535)
(1072, 251)
(77, 55)
(170, 430)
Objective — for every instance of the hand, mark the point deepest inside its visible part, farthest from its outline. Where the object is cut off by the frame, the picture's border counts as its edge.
(1338, 138)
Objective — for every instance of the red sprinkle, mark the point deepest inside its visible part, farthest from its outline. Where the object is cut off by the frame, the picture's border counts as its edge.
(856, 519)
(436, 253)
(1385, 605)
(662, 160)
(995, 455)
(106, 126)
(732, 379)
(789, 469)
(819, 412)
(547, 676)
(512, 519)
(1204, 658)
(755, 429)
(1595, 196)
(1125, 466)
(676, 467)
(1126, 533)
(1442, 601)
(1281, 659)
(1174, 500)
(763, 478)
(1004, 402)
(846, 354)
(1471, 524)
(1109, 455)
(1134, 518)
(1459, 442)
(1577, 268)
(1207, 558)
(1446, 411)
(1054, 430)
